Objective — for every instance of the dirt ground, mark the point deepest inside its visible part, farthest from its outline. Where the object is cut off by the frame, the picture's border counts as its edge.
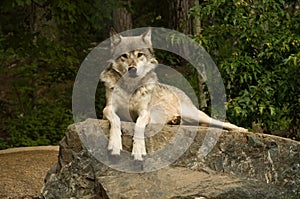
(22, 170)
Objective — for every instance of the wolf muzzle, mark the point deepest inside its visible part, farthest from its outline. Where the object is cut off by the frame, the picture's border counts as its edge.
(132, 71)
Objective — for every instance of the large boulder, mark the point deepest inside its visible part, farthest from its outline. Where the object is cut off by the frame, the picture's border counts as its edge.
(183, 162)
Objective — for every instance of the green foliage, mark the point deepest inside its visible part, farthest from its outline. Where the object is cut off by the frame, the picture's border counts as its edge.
(42, 44)
(45, 125)
(256, 44)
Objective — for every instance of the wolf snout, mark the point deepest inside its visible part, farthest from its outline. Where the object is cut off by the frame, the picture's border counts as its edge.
(132, 71)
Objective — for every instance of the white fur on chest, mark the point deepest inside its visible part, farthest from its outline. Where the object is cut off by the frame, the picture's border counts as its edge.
(128, 103)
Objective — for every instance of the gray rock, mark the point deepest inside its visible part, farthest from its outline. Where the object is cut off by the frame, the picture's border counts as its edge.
(182, 162)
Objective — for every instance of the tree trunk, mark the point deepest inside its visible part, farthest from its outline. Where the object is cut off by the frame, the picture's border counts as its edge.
(179, 20)
(200, 78)
(202, 97)
(178, 15)
(196, 21)
(122, 19)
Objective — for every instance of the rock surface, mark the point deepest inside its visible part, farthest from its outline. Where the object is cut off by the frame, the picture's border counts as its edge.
(183, 162)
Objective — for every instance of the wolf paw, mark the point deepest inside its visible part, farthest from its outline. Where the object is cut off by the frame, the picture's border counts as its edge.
(139, 149)
(115, 145)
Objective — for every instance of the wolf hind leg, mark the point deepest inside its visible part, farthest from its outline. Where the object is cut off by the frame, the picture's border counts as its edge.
(192, 115)
(115, 140)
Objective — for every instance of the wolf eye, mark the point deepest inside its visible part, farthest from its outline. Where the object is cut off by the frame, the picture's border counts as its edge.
(140, 55)
(125, 56)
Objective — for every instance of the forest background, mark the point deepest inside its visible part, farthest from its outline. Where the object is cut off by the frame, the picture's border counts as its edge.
(254, 43)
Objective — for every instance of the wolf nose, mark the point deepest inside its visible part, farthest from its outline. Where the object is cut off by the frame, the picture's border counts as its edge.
(132, 71)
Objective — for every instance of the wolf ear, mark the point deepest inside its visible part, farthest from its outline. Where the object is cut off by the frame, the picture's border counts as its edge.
(115, 38)
(146, 36)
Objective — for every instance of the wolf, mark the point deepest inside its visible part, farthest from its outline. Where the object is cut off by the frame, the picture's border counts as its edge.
(133, 93)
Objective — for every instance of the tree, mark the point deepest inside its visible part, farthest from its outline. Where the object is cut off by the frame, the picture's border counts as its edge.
(180, 20)
(42, 44)
(178, 15)
(122, 19)
(255, 44)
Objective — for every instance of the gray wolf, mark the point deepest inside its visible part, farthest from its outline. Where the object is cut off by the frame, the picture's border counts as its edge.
(133, 92)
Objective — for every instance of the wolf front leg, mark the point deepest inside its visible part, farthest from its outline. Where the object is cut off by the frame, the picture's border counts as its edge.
(115, 140)
(139, 147)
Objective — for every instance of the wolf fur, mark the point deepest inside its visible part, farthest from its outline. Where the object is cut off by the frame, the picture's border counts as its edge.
(133, 93)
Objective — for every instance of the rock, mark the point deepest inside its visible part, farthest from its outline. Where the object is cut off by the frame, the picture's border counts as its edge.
(182, 162)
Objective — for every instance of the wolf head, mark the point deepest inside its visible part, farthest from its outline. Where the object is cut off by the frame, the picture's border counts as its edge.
(133, 54)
